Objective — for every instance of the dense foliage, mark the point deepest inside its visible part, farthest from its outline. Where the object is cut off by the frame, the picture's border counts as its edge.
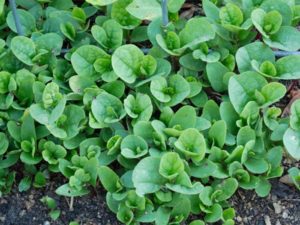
(171, 118)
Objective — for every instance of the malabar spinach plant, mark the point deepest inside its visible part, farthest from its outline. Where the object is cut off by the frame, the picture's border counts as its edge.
(170, 115)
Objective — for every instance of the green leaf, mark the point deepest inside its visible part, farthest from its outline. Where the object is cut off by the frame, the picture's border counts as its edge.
(83, 60)
(197, 222)
(133, 147)
(288, 68)
(101, 2)
(242, 89)
(109, 179)
(126, 62)
(216, 76)
(295, 115)
(291, 140)
(66, 190)
(146, 177)
(27, 21)
(145, 10)
(193, 189)
(175, 5)
(280, 41)
(3, 143)
(51, 42)
(107, 109)
(24, 184)
(171, 91)
(218, 132)
(227, 187)
(24, 49)
(192, 144)
(282, 7)
(39, 180)
(263, 187)
(171, 165)
(68, 30)
(245, 135)
(69, 123)
(124, 214)
(197, 30)
(257, 51)
(294, 174)
(139, 108)
(214, 214)
(122, 16)
(203, 169)
(109, 35)
(231, 14)
(266, 23)
(272, 93)
(185, 117)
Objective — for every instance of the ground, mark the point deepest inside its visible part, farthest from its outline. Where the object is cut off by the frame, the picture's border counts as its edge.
(281, 207)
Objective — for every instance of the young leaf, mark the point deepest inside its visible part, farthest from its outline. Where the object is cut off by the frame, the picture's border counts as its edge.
(146, 177)
(145, 10)
(122, 16)
(109, 35)
(24, 49)
(126, 62)
(109, 179)
(83, 60)
(133, 147)
(192, 144)
(291, 140)
(171, 165)
(107, 109)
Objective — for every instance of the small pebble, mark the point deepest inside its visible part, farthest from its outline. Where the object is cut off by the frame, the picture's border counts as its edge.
(277, 207)
(46, 223)
(274, 198)
(239, 219)
(285, 215)
(267, 220)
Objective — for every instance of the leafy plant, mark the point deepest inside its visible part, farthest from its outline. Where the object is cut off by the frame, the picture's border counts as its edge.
(52, 206)
(170, 115)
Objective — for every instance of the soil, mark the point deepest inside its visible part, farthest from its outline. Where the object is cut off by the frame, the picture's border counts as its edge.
(281, 207)
(25, 208)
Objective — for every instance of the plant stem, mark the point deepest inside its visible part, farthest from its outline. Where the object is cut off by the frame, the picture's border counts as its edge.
(165, 16)
(71, 203)
(284, 53)
(16, 17)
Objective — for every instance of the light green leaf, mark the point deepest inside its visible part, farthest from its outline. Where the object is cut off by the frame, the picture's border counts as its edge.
(145, 10)
(146, 177)
(171, 165)
(192, 144)
(27, 21)
(216, 74)
(107, 109)
(291, 140)
(126, 62)
(197, 30)
(242, 89)
(122, 16)
(24, 49)
(288, 68)
(280, 41)
(83, 60)
(133, 146)
(101, 2)
(257, 51)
